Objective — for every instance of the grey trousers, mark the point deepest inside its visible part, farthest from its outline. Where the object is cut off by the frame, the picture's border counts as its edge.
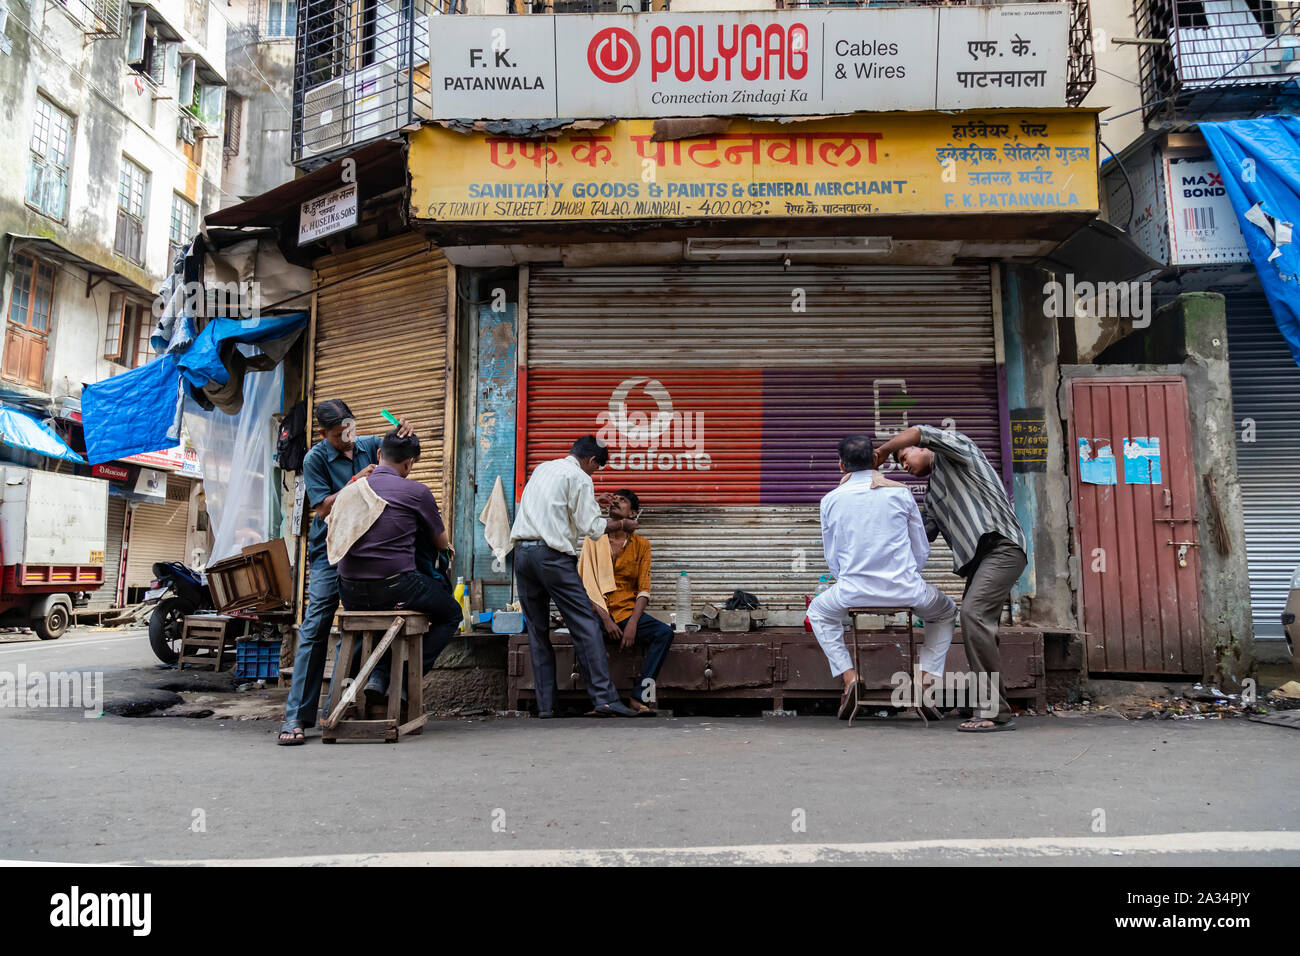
(542, 575)
(987, 590)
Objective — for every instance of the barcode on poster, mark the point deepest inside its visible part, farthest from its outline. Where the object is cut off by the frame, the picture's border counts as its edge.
(1201, 217)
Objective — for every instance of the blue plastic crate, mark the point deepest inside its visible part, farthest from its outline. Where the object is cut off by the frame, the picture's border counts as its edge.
(257, 660)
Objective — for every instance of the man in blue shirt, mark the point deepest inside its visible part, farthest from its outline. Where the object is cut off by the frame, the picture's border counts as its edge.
(338, 458)
(385, 567)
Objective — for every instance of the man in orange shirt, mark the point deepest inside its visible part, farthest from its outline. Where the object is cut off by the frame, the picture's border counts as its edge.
(624, 616)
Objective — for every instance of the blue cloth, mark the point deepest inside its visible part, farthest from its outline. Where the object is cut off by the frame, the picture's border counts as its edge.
(201, 362)
(28, 432)
(309, 660)
(1260, 163)
(325, 470)
(136, 412)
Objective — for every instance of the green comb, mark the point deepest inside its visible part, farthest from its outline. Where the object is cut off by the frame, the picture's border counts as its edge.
(389, 415)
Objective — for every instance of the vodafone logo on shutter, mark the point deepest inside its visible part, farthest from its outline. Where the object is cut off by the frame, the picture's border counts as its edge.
(613, 54)
(644, 438)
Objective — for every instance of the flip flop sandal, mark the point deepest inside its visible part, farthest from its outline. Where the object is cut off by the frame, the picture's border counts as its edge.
(296, 739)
(849, 701)
(1008, 725)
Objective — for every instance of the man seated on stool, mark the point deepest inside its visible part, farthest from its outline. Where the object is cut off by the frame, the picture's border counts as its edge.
(875, 546)
(381, 570)
(622, 610)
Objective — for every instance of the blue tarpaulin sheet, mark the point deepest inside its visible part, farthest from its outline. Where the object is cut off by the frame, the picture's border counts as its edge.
(29, 433)
(1260, 163)
(201, 362)
(133, 413)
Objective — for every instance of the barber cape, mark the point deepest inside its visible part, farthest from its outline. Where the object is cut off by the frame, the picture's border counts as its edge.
(356, 508)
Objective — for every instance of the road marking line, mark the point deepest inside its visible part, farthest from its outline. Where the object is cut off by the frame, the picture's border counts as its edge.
(60, 646)
(1028, 848)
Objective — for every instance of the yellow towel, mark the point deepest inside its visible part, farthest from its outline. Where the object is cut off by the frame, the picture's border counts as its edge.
(596, 566)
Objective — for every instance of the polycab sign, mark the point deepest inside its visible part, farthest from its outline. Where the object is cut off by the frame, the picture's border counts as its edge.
(774, 63)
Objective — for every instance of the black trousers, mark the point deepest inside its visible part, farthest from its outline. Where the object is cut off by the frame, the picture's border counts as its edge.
(411, 591)
(543, 575)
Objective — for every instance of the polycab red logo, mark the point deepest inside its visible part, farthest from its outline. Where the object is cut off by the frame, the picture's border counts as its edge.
(614, 54)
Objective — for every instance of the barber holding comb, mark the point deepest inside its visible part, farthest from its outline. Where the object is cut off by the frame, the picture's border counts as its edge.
(338, 458)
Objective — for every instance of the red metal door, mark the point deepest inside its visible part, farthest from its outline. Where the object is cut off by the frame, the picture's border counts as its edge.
(1134, 493)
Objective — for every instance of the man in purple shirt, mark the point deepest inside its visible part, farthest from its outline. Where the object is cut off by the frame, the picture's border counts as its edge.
(381, 572)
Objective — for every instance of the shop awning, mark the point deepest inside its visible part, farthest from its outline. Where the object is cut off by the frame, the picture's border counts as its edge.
(49, 249)
(20, 430)
(1260, 163)
(1101, 252)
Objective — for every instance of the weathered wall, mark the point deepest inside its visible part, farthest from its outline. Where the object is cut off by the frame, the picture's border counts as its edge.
(1041, 498)
(261, 73)
(1194, 326)
(115, 112)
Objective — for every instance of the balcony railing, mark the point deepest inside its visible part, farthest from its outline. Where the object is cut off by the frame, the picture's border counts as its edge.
(1204, 56)
(359, 72)
(586, 6)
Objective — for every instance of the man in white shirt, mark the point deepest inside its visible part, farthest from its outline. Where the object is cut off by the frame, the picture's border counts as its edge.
(876, 546)
(558, 508)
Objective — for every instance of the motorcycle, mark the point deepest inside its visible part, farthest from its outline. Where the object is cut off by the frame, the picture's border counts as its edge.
(177, 590)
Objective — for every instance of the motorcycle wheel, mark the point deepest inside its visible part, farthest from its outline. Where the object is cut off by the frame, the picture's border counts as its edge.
(166, 625)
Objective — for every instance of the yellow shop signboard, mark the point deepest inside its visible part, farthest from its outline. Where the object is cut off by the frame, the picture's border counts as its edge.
(1010, 161)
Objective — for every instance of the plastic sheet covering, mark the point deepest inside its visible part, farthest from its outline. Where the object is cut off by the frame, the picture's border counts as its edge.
(238, 471)
(1260, 163)
(136, 412)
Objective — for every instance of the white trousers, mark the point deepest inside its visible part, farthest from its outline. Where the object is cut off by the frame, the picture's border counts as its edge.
(828, 614)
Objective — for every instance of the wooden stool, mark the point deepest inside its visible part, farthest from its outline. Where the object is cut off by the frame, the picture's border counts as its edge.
(876, 699)
(206, 641)
(376, 633)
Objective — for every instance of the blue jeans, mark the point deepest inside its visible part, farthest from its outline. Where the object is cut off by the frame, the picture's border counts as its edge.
(658, 637)
(309, 661)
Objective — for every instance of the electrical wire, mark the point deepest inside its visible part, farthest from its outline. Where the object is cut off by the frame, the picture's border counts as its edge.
(1132, 196)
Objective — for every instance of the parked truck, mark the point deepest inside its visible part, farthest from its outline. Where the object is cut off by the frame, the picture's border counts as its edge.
(53, 530)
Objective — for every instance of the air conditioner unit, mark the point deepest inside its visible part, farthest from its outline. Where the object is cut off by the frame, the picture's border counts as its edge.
(378, 102)
(326, 117)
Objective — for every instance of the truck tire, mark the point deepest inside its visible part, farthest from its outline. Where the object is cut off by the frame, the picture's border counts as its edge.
(165, 627)
(52, 626)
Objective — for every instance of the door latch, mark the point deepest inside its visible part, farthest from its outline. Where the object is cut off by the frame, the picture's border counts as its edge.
(1182, 550)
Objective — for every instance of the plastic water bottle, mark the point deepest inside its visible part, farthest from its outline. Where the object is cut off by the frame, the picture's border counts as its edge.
(683, 602)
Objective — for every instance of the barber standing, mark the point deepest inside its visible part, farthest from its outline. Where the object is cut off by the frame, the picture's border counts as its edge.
(338, 458)
(968, 503)
(558, 508)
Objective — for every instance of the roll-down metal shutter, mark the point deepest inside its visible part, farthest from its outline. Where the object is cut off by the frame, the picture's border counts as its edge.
(106, 596)
(158, 533)
(722, 391)
(1266, 405)
(381, 342)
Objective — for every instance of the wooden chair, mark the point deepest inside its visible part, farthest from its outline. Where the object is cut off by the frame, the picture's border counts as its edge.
(878, 698)
(376, 633)
(207, 642)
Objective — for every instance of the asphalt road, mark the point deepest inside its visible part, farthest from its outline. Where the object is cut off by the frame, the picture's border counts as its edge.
(685, 790)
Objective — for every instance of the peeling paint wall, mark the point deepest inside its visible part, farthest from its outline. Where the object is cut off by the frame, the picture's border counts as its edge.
(115, 112)
(260, 72)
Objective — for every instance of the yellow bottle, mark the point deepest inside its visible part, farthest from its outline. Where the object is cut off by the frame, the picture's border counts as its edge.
(462, 598)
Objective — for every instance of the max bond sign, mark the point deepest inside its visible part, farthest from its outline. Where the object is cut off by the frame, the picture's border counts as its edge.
(784, 63)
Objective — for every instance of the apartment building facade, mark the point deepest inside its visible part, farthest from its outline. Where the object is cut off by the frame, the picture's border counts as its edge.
(115, 118)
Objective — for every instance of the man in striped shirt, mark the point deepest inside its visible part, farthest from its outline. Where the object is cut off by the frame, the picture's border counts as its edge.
(968, 504)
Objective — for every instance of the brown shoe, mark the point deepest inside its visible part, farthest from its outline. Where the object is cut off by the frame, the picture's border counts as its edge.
(849, 701)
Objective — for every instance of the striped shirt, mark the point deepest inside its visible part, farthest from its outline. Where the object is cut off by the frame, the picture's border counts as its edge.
(558, 507)
(966, 498)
